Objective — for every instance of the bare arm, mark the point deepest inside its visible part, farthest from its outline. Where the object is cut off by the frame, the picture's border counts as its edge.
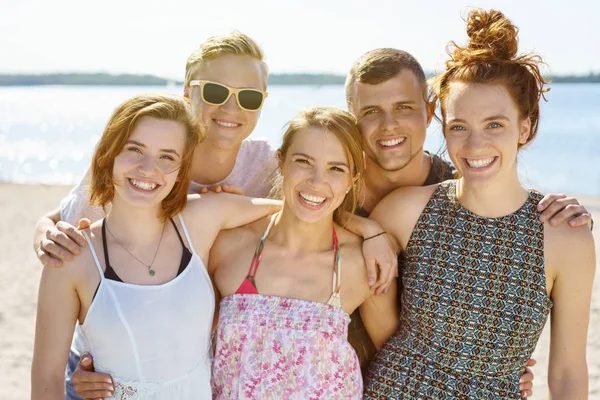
(570, 255)
(58, 308)
(377, 251)
(380, 315)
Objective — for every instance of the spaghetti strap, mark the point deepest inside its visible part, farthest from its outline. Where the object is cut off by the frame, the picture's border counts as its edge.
(248, 285)
(185, 232)
(334, 299)
(87, 238)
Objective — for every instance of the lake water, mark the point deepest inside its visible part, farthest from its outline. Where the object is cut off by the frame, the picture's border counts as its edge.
(47, 134)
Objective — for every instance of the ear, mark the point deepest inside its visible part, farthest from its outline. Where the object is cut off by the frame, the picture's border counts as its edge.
(186, 92)
(525, 130)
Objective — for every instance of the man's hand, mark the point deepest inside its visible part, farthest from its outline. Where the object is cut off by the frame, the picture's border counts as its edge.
(91, 385)
(527, 379)
(558, 208)
(222, 188)
(379, 254)
(62, 242)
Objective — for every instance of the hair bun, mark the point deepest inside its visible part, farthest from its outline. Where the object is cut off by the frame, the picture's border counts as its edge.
(491, 32)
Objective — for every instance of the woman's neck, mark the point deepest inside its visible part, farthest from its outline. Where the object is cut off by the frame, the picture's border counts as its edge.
(502, 197)
(299, 236)
(134, 225)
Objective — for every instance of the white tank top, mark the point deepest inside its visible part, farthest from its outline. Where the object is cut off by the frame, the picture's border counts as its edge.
(154, 340)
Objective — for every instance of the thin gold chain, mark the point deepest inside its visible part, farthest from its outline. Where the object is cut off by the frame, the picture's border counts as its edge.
(149, 266)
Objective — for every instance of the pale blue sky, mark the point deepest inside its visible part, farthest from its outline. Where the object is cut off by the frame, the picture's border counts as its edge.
(155, 37)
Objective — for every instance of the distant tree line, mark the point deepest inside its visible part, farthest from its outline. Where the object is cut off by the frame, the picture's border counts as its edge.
(91, 79)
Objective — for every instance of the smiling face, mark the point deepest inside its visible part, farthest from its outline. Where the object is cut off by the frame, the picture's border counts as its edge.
(483, 130)
(147, 168)
(316, 174)
(228, 125)
(392, 118)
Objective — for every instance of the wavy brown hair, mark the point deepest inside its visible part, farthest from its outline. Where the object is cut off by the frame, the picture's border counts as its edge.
(491, 57)
(118, 130)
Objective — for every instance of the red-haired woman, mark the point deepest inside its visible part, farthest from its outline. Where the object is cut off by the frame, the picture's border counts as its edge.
(482, 272)
(140, 291)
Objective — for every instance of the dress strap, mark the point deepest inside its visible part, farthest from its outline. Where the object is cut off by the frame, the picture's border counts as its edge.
(259, 250)
(185, 232)
(334, 299)
(177, 232)
(87, 238)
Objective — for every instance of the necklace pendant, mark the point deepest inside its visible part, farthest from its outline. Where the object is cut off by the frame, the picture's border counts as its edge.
(151, 272)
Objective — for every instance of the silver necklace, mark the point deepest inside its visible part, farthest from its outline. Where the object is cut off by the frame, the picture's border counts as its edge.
(149, 266)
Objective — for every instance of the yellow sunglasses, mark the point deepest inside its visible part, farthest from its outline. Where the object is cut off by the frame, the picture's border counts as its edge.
(217, 94)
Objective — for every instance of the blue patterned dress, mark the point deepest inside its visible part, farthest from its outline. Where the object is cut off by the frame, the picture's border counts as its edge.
(473, 307)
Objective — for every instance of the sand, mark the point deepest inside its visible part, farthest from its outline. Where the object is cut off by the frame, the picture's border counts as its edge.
(22, 205)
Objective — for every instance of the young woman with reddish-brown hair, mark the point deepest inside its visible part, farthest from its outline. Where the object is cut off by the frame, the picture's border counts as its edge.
(483, 273)
(140, 291)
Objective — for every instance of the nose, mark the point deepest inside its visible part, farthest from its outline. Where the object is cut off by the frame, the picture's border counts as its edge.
(389, 121)
(318, 177)
(231, 104)
(476, 141)
(146, 166)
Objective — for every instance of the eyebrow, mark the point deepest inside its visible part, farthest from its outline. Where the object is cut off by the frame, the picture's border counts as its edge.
(329, 162)
(396, 103)
(492, 118)
(140, 144)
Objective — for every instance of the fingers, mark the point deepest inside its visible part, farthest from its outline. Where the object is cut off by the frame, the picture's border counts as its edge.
(46, 259)
(580, 220)
(559, 208)
(54, 250)
(233, 190)
(58, 244)
(89, 384)
(549, 199)
(387, 274)
(72, 232)
(530, 363)
(371, 272)
(87, 392)
(526, 381)
(86, 362)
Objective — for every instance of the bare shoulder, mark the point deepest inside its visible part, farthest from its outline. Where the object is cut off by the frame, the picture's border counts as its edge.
(568, 248)
(236, 238)
(399, 211)
(353, 261)
(79, 268)
(410, 198)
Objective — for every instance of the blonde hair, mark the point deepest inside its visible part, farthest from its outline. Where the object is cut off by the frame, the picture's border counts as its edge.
(235, 43)
(117, 133)
(491, 57)
(343, 125)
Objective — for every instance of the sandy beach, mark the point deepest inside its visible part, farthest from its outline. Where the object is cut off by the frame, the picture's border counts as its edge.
(22, 205)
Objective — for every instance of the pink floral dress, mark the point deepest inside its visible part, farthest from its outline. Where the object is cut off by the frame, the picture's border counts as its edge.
(270, 347)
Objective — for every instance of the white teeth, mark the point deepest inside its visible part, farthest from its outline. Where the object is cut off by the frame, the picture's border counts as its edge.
(312, 199)
(143, 185)
(227, 124)
(391, 142)
(480, 163)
